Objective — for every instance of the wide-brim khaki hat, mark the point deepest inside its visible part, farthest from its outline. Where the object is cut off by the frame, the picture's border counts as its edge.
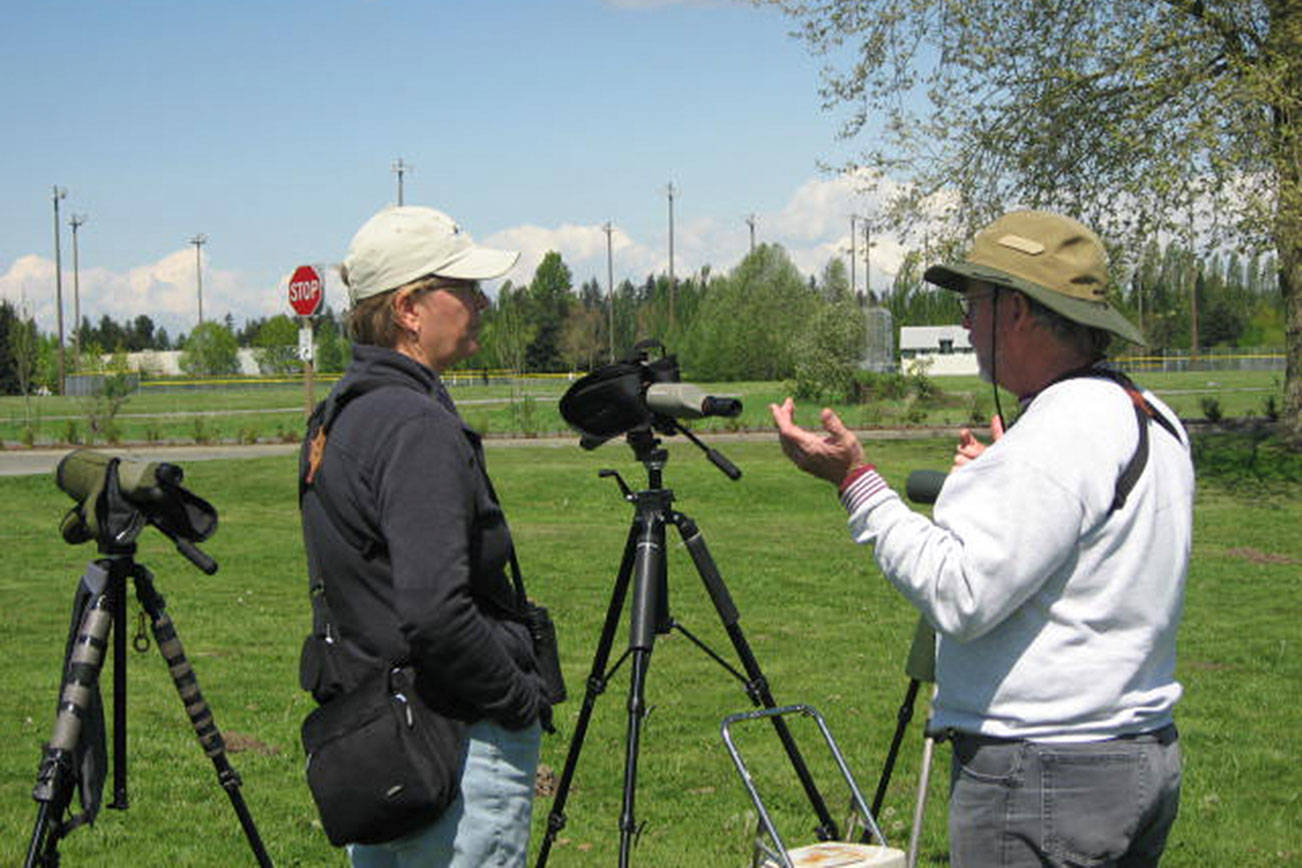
(1055, 260)
(400, 244)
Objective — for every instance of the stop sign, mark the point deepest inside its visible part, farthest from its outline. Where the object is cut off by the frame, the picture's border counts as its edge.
(305, 293)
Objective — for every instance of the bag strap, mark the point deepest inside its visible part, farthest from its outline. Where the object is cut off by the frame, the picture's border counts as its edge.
(1145, 412)
(521, 599)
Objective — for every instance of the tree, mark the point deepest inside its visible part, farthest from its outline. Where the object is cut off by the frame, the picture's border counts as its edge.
(24, 350)
(835, 285)
(583, 338)
(1140, 117)
(276, 346)
(508, 330)
(210, 350)
(744, 326)
(548, 300)
(10, 382)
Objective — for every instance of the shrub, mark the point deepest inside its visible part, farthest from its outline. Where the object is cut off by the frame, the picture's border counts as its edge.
(1211, 408)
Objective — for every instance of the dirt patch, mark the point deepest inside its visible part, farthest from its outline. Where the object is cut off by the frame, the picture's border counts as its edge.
(238, 742)
(1257, 556)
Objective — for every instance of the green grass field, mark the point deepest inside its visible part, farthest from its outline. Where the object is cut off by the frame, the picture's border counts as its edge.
(251, 412)
(825, 627)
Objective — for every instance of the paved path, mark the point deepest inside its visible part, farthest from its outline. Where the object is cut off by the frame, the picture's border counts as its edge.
(27, 462)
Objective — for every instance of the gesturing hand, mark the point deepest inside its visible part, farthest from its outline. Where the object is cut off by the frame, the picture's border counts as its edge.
(969, 447)
(830, 457)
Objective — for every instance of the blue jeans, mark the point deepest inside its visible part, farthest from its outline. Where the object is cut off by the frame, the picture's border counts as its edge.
(1020, 803)
(488, 823)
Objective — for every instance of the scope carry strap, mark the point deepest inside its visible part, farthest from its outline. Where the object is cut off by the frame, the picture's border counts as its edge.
(1144, 413)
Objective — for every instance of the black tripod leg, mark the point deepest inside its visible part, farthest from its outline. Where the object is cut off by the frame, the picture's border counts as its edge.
(595, 687)
(56, 778)
(903, 717)
(649, 612)
(757, 687)
(187, 685)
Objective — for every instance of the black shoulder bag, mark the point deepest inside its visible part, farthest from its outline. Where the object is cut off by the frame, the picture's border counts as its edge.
(380, 763)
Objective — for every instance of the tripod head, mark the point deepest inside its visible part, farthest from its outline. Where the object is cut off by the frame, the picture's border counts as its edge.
(115, 497)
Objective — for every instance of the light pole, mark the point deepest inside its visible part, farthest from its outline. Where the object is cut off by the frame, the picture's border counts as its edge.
(199, 241)
(670, 191)
(59, 193)
(750, 221)
(400, 168)
(76, 222)
(610, 290)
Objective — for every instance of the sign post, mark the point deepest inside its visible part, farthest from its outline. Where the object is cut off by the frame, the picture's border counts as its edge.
(306, 292)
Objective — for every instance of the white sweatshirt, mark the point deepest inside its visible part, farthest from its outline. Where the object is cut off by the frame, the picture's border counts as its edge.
(1056, 620)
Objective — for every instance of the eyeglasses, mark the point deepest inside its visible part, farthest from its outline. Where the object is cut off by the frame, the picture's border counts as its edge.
(968, 299)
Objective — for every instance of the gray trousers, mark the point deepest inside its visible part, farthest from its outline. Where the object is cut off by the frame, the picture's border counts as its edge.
(1020, 803)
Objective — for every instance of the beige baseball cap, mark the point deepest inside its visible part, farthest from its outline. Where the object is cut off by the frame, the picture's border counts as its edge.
(1055, 260)
(400, 244)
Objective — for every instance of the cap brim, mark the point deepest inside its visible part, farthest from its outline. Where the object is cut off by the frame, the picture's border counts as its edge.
(478, 263)
(1090, 313)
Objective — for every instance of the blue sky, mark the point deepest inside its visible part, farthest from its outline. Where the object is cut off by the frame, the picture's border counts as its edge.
(271, 128)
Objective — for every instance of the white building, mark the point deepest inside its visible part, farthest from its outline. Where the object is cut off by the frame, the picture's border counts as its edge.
(946, 348)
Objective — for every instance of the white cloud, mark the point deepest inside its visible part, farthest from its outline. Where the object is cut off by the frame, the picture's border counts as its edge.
(813, 226)
(164, 290)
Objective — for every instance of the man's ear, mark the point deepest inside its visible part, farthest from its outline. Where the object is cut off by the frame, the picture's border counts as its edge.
(1019, 307)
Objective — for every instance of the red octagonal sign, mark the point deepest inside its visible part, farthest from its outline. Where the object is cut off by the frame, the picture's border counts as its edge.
(305, 293)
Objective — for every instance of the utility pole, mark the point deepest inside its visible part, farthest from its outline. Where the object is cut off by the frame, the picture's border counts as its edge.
(610, 290)
(750, 221)
(59, 193)
(400, 168)
(867, 258)
(853, 286)
(199, 241)
(76, 222)
(670, 190)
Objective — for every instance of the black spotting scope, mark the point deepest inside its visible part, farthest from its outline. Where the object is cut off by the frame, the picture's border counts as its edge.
(637, 393)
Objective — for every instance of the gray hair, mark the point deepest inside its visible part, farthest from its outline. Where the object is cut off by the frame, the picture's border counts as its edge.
(1090, 342)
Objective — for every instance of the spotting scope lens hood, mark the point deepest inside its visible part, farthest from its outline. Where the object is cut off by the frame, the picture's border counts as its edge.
(151, 488)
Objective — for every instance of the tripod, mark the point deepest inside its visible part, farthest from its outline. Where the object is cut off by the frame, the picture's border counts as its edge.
(644, 565)
(74, 757)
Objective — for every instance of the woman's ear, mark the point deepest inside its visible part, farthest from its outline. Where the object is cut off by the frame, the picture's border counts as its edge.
(404, 310)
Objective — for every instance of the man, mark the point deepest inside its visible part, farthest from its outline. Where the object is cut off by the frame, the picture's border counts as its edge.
(1053, 571)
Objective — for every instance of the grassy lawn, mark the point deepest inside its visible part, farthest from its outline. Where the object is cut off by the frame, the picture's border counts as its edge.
(823, 624)
(249, 412)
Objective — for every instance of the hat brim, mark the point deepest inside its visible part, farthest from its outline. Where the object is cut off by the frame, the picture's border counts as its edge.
(477, 263)
(1095, 314)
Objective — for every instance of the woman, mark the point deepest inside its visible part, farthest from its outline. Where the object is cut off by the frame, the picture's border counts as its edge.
(410, 544)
